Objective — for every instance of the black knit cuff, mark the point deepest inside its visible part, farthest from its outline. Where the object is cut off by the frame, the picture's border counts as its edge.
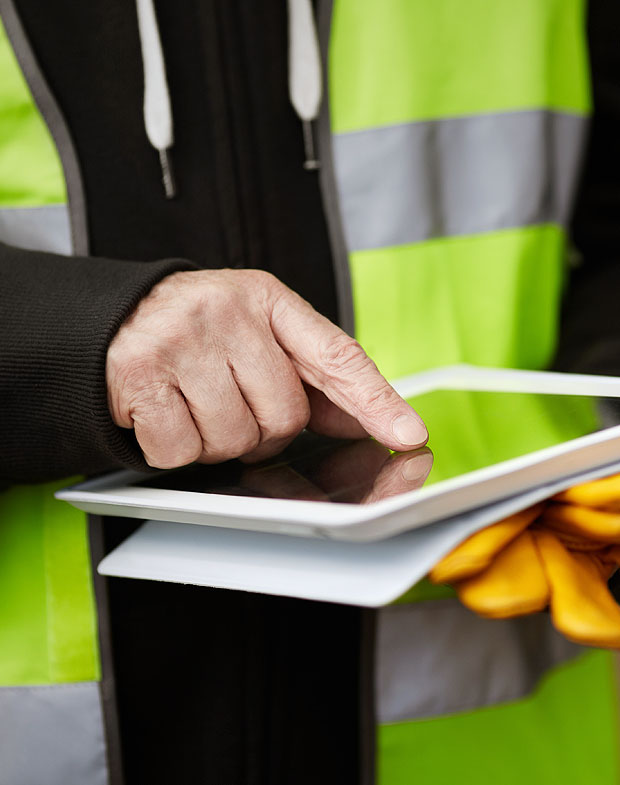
(58, 316)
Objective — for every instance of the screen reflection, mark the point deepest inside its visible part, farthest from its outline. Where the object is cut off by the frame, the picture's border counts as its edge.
(468, 431)
(313, 468)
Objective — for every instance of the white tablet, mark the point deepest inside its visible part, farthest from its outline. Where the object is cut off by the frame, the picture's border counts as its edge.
(494, 433)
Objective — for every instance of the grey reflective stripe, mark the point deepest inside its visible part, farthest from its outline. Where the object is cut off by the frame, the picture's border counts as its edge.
(37, 228)
(52, 735)
(55, 122)
(436, 658)
(457, 176)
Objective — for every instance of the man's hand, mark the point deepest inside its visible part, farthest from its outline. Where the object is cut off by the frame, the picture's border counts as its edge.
(219, 364)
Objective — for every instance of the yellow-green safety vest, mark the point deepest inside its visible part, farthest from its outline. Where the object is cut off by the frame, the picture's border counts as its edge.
(450, 143)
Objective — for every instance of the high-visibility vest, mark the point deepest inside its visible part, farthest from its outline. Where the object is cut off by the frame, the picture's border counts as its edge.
(450, 143)
(51, 707)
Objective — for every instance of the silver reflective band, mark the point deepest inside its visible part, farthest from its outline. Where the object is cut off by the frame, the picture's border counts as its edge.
(456, 176)
(52, 735)
(37, 228)
(56, 124)
(436, 658)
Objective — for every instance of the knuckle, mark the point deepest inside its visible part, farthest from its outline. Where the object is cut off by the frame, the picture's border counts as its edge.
(149, 396)
(188, 454)
(378, 400)
(167, 439)
(265, 287)
(344, 356)
(177, 333)
(290, 421)
(236, 445)
(262, 278)
(266, 450)
(216, 298)
(222, 309)
(137, 368)
(246, 443)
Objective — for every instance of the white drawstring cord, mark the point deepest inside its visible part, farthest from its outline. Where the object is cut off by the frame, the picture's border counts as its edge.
(304, 71)
(157, 110)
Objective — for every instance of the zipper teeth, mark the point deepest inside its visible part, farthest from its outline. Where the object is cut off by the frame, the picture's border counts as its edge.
(221, 115)
(247, 158)
(234, 98)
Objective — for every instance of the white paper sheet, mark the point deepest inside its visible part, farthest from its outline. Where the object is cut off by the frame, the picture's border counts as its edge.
(367, 574)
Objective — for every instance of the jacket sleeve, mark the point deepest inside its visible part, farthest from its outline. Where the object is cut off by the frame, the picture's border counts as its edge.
(590, 335)
(57, 317)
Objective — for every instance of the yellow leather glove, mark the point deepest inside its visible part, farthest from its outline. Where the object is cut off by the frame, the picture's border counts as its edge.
(559, 553)
(478, 551)
(600, 526)
(582, 607)
(603, 494)
(514, 584)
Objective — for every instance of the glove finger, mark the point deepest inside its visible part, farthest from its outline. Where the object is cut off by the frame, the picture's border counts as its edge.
(583, 521)
(513, 585)
(603, 493)
(582, 608)
(478, 551)
(574, 542)
(605, 566)
(611, 555)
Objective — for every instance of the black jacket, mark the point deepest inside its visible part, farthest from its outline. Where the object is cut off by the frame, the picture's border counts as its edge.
(244, 200)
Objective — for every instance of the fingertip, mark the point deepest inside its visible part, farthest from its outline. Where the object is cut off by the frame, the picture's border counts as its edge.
(410, 430)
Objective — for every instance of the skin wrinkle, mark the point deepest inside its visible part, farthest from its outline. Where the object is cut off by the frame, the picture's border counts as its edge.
(349, 353)
(279, 419)
(233, 361)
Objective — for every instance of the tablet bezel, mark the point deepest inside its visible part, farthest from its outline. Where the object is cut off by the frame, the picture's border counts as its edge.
(113, 495)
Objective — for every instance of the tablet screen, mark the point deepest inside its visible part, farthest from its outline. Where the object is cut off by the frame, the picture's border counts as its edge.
(468, 430)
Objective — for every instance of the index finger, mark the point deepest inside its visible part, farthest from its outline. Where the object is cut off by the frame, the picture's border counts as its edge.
(332, 361)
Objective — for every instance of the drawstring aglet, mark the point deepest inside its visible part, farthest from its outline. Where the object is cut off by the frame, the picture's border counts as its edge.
(311, 161)
(167, 174)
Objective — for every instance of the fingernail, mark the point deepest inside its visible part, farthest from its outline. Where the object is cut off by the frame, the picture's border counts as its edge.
(416, 468)
(409, 429)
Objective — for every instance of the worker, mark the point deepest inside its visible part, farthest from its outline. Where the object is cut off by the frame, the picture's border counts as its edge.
(192, 197)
